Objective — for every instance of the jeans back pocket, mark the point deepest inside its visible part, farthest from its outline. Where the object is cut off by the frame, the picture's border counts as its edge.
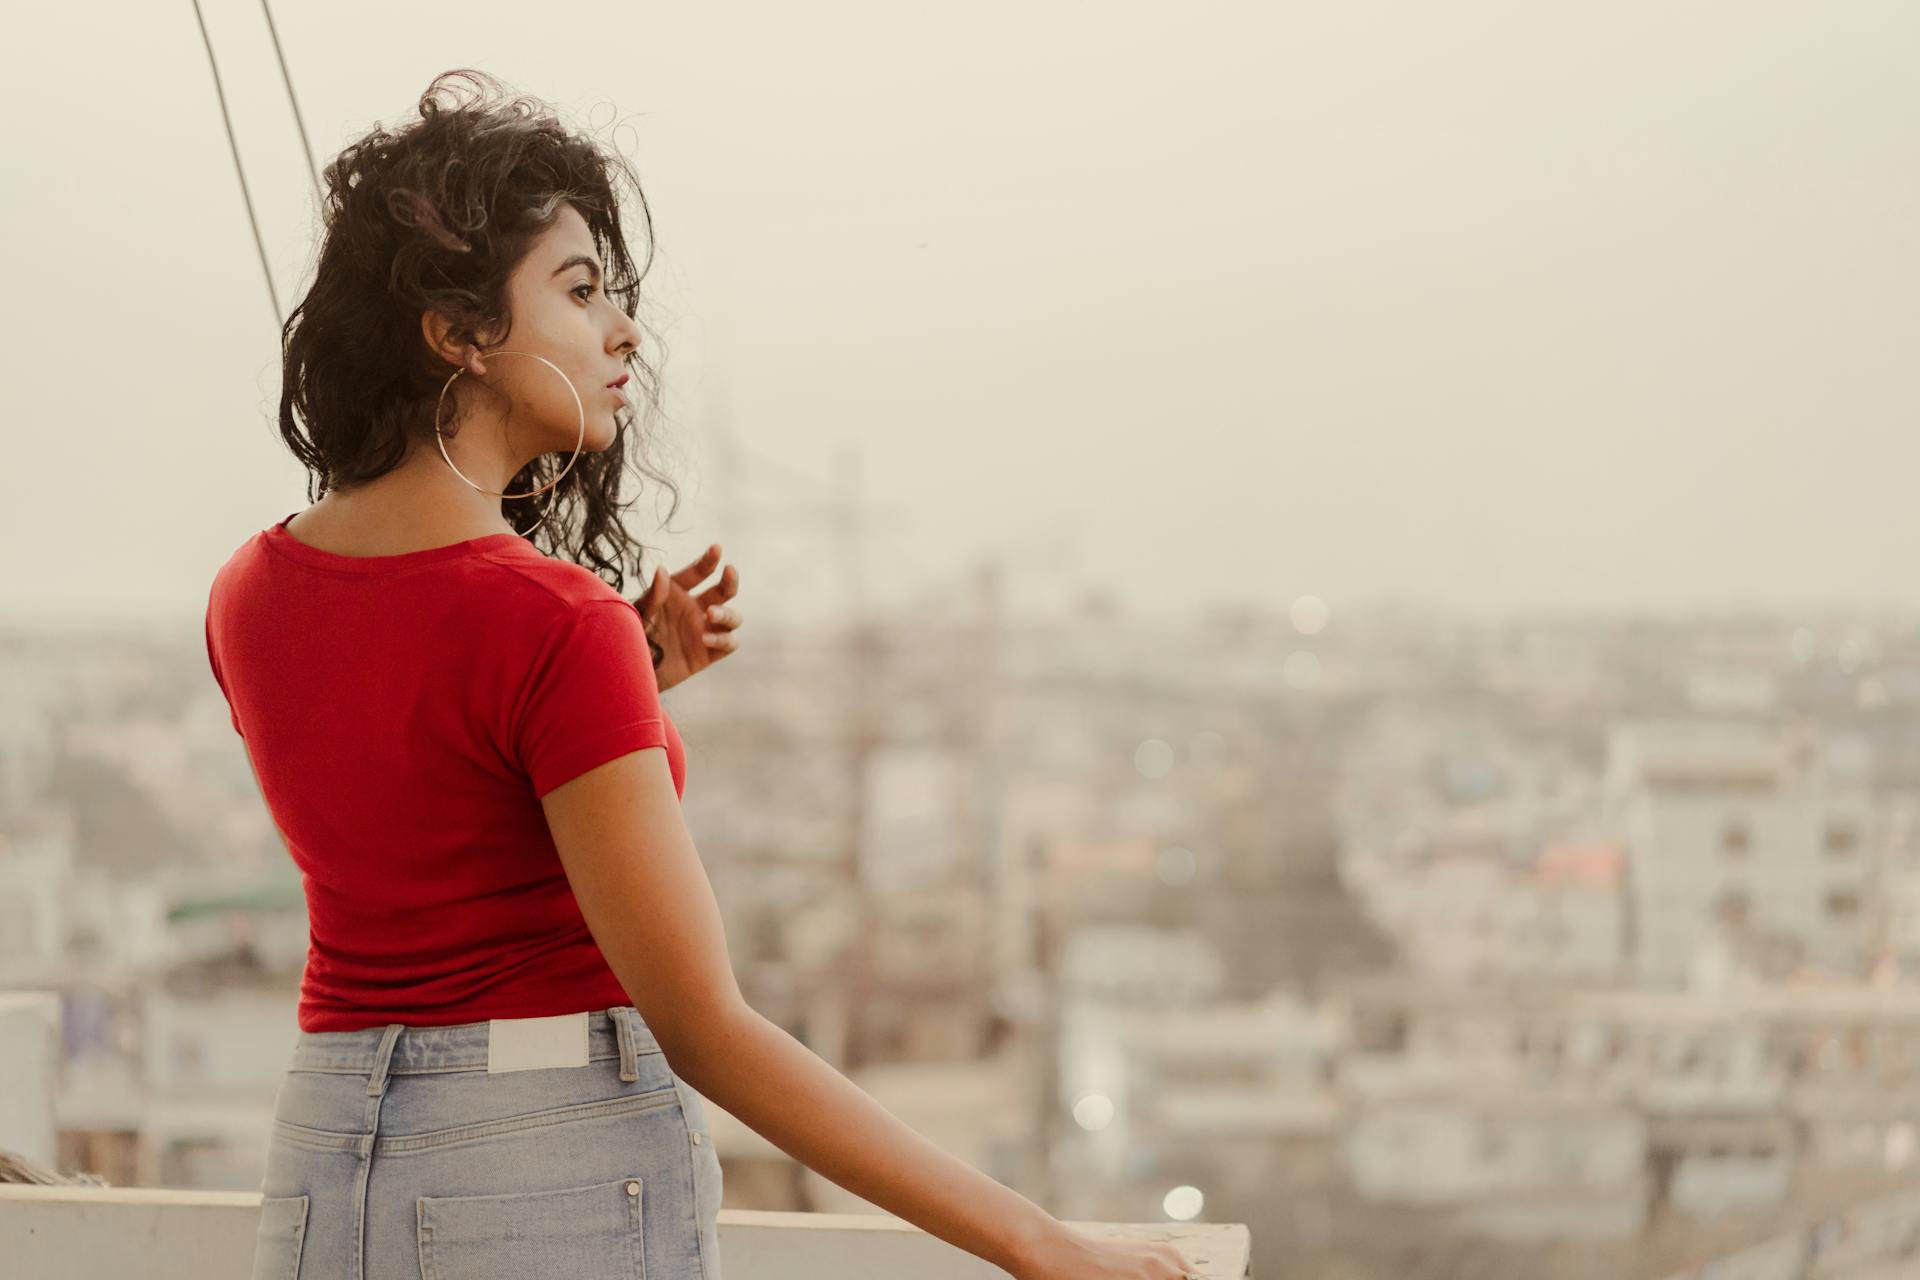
(584, 1233)
(283, 1229)
(708, 1190)
(708, 1179)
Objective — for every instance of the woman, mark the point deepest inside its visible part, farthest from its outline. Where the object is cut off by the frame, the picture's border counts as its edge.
(517, 976)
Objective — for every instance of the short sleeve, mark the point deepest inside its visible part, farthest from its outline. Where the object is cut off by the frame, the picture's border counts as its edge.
(590, 695)
(213, 663)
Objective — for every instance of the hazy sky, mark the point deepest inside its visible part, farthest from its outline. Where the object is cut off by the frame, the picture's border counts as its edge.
(1491, 304)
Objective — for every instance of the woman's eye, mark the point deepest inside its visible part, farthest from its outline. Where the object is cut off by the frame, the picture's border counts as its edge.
(587, 287)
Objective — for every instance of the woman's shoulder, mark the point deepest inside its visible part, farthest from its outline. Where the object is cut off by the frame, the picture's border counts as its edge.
(236, 573)
(545, 585)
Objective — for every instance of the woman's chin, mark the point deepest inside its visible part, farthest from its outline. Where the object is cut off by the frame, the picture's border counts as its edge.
(597, 439)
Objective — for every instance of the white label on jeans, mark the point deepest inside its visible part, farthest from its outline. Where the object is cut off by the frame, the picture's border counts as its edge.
(520, 1044)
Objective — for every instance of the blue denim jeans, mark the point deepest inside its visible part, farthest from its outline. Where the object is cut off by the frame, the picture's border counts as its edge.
(396, 1152)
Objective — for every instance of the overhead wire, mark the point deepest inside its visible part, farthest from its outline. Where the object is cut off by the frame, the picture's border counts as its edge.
(233, 144)
(253, 221)
(313, 170)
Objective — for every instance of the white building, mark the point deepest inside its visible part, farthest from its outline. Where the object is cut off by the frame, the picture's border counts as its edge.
(1216, 1100)
(1465, 912)
(1748, 832)
(1517, 1160)
(1564, 914)
(1740, 1089)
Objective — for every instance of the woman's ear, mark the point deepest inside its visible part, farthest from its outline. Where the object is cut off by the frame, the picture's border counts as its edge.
(452, 348)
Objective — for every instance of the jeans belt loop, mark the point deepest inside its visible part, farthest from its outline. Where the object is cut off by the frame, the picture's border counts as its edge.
(623, 1032)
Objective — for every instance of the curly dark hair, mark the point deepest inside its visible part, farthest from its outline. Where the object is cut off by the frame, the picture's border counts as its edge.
(436, 215)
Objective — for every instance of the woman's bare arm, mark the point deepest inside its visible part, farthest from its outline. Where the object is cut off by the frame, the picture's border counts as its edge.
(645, 896)
(801, 1104)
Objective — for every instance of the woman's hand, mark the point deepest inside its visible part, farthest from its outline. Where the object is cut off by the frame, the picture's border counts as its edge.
(1069, 1254)
(693, 631)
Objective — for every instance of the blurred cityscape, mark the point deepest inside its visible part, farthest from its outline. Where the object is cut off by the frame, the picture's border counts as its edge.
(1549, 947)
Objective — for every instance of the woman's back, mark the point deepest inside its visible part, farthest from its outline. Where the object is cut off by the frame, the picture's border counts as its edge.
(404, 715)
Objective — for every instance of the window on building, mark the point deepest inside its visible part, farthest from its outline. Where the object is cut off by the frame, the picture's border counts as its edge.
(1734, 838)
(1733, 908)
(1842, 838)
(1843, 904)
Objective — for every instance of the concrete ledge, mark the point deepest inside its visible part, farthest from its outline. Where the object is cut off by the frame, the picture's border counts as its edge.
(166, 1234)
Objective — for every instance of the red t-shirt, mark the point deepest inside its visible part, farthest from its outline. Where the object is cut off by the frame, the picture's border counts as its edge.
(404, 714)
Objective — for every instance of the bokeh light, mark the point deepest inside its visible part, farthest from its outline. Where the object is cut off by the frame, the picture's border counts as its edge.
(1183, 1203)
(1301, 669)
(1175, 865)
(1153, 758)
(1093, 1111)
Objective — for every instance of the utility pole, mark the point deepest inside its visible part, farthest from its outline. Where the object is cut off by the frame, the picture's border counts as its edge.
(846, 520)
(838, 1029)
(865, 651)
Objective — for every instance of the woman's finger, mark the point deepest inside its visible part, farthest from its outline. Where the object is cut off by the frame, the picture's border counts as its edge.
(725, 589)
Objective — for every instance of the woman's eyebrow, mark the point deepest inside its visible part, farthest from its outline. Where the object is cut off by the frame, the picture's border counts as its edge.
(578, 259)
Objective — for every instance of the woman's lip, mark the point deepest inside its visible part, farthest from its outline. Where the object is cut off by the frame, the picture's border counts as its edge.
(620, 381)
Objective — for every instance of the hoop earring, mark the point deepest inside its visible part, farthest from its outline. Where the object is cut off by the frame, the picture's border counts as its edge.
(440, 439)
